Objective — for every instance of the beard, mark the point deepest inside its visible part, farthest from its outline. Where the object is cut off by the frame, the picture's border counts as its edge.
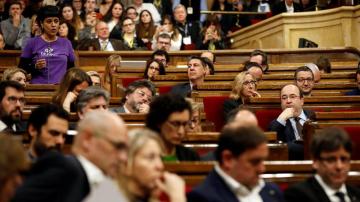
(40, 148)
(12, 117)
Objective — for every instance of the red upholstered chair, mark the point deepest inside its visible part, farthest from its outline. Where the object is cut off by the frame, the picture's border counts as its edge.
(213, 107)
(127, 81)
(354, 133)
(265, 116)
(164, 89)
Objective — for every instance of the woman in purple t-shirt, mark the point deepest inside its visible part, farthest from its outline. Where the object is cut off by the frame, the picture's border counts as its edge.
(47, 57)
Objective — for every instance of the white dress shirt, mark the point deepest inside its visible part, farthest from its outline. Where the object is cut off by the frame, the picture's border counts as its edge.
(94, 175)
(330, 192)
(289, 9)
(302, 120)
(108, 46)
(3, 126)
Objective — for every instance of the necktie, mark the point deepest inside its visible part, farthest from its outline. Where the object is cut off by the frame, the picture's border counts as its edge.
(341, 196)
(299, 127)
(103, 45)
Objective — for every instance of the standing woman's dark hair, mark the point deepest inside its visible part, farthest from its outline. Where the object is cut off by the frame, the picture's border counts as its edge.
(153, 68)
(47, 57)
(73, 82)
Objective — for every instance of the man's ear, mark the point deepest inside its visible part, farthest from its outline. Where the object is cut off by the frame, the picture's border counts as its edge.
(227, 159)
(315, 164)
(32, 131)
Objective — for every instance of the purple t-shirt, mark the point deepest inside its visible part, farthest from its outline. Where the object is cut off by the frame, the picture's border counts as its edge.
(56, 53)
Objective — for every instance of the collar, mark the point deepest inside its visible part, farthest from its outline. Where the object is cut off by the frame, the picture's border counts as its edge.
(3, 126)
(94, 175)
(126, 109)
(302, 116)
(237, 188)
(106, 41)
(289, 7)
(328, 190)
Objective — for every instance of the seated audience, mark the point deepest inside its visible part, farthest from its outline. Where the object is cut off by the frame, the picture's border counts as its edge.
(196, 73)
(16, 28)
(145, 177)
(225, 20)
(331, 154)
(304, 79)
(73, 82)
(47, 57)
(161, 56)
(113, 18)
(323, 64)
(357, 80)
(99, 148)
(131, 13)
(162, 42)
(169, 116)
(69, 15)
(95, 78)
(240, 156)
(195, 122)
(130, 40)
(153, 68)
(314, 68)
(90, 99)
(140, 6)
(189, 30)
(13, 162)
(47, 128)
(138, 96)
(113, 63)
(15, 74)
(168, 27)
(211, 35)
(260, 57)
(146, 28)
(193, 9)
(210, 69)
(254, 69)
(286, 6)
(12, 104)
(243, 88)
(289, 124)
(88, 32)
(66, 30)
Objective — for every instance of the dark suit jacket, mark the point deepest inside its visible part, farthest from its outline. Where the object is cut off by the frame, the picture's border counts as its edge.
(186, 154)
(214, 189)
(95, 44)
(191, 29)
(183, 89)
(311, 191)
(118, 109)
(229, 105)
(281, 8)
(54, 178)
(286, 134)
(353, 92)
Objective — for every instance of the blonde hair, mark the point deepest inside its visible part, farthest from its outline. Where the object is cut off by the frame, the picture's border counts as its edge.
(237, 86)
(8, 73)
(111, 59)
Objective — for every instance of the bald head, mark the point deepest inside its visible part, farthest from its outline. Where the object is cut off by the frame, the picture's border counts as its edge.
(315, 70)
(243, 118)
(102, 139)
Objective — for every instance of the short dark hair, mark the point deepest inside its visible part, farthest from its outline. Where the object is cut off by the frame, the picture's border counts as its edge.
(162, 107)
(323, 63)
(248, 65)
(15, 2)
(47, 11)
(164, 36)
(195, 57)
(161, 67)
(39, 116)
(142, 83)
(9, 84)
(264, 61)
(303, 69)
(161, 52)
(328, 140)
(209, 64)
(90, 93)
(238, 140)
(301, 94)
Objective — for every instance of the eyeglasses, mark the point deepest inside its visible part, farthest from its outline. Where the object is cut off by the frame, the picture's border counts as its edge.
(247, 83)
(127, 25)
(119, 146)
(143, 94)
(302, 80)
(14, 100)
(333, 160)
(164, 43)
(292, 97)
(177, 124)
(156, 68)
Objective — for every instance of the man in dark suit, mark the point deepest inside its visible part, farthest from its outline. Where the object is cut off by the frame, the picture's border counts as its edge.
(304, 79)
(11, 107)
(99, 148)
(289, 123)
(196, 74)
(102, 42)
(331, 152)
(47, 127)
(90, 99)
(240, 154)
(138, 96)
(286, 6)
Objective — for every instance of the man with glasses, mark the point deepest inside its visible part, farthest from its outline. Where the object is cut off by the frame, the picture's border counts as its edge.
(162, 56)
(170, 116)
(240, 155)
(331, 153)
(138, 96)
(196, 74)
(47, 127)
(163, 42)
(260, 57)
(304, 79)
(290, 122)
(12, 105)
(99, 150)
(90, 99)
